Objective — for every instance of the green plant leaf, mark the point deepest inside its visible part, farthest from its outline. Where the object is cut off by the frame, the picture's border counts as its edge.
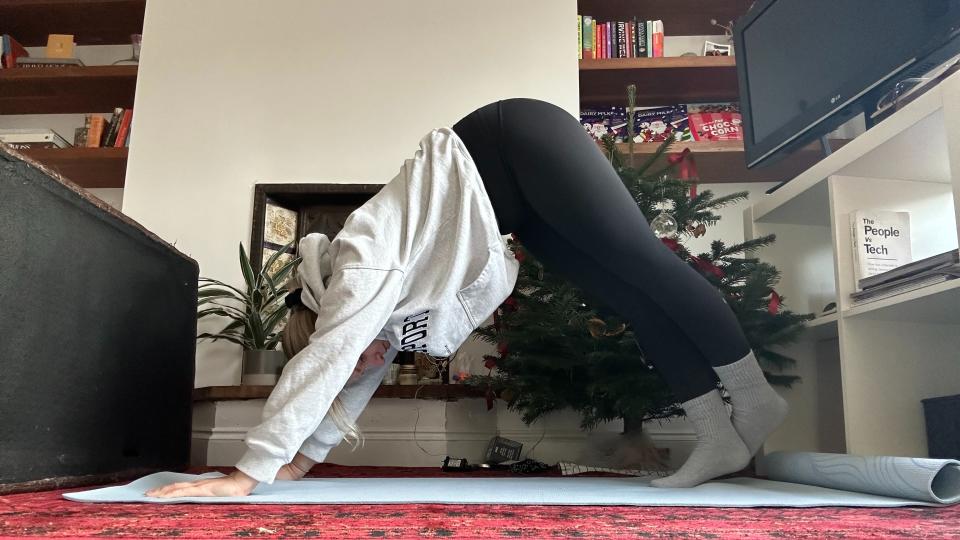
(225, 337)
(257, 334)
(208, 282)
(247, 271)
(216, 293)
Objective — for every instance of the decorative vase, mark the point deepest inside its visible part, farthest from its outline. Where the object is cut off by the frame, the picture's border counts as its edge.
(262, 367)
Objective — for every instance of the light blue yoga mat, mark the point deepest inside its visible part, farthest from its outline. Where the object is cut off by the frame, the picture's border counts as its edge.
(920, 479)
(737, 492)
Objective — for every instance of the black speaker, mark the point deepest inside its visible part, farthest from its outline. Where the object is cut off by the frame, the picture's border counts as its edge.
(97, 337)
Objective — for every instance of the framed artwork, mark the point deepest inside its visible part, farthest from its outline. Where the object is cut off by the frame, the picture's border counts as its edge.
(287, 212)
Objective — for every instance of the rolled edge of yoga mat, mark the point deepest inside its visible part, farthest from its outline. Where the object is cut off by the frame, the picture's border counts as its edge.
(919, 479)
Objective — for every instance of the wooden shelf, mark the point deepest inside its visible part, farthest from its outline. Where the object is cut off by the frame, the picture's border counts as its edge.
(446, 392)
(660, 81)
(723, 161)
(87, 167)
(67, 89)
(680, 17)
(92, 22)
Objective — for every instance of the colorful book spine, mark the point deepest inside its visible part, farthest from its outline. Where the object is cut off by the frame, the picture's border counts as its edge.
(621, 40)
(611, 40)
(580, 37)
(641, 27)
(95, 133)
(124, 130)
(658, 39)
(593, 32)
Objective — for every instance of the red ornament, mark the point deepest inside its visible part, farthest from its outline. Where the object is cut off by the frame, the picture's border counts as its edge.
(670, 243)
(520, 254)
(502, 349)
(688, 168)
(774, 304)
(707, 266)
(489, 361)
(512, 303)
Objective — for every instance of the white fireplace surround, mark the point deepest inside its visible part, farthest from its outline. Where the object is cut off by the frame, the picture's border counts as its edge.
(455, 428)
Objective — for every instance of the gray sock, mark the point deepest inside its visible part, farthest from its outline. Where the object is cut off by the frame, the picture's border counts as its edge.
(757, 408)
(719, 450)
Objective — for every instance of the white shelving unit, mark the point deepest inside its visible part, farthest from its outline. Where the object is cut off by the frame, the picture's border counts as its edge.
(866, 368)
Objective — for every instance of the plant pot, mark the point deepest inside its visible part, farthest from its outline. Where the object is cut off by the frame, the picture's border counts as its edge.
(262, 367)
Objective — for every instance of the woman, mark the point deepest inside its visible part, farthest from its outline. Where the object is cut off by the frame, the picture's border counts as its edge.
(423, 263)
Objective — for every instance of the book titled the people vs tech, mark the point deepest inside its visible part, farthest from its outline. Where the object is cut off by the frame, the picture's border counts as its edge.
(881, 241)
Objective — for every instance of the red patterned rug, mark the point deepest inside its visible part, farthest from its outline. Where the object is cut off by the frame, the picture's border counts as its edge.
(47, 514)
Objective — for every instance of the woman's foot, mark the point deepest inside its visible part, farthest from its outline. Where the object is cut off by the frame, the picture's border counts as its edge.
(757, 408)
(719, 449)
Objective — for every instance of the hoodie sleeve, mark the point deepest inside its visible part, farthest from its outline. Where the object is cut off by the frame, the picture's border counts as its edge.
(356, 306)
(355, 396)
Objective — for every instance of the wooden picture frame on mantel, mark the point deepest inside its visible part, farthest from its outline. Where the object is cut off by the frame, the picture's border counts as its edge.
(296, 210)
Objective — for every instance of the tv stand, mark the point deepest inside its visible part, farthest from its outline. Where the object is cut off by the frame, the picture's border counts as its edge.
(866, 367)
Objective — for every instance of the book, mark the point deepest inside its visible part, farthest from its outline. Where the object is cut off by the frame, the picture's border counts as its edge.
(649, 25)
(80, 136)
(26, 62)
(909, 284)
(621, 40)
(630, 47)
(593, 32)
(928, 264)
(611, 40)
(881, 242)
(581, 47)
(124, 131)
(29, 138)
(111, 133)
(12, 50)
(658, 39)
(641, 38)
(95, 133)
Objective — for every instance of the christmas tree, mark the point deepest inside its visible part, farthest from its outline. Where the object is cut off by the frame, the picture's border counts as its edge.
(558, 349)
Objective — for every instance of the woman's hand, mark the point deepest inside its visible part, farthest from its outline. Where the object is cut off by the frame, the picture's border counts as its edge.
(236, 484)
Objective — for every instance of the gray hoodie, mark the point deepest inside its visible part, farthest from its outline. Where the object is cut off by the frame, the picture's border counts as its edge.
(421, 264)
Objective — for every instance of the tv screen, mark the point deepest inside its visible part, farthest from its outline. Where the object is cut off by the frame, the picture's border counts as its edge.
(804, 64)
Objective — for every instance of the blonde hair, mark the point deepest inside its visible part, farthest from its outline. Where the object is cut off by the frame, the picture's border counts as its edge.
(296, 335)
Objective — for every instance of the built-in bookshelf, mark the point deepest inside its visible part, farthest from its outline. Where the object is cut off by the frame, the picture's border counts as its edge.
(659, 81)
(69, 90)
(92, 22)
(66, 90)
(867, 366)
(681, 79)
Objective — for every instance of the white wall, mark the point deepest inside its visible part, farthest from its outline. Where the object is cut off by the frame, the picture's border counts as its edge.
(232, 93)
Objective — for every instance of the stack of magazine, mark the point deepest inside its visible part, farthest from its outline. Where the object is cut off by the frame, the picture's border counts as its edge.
(908, 277)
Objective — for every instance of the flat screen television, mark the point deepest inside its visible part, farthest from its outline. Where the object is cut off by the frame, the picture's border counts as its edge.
(807, 66)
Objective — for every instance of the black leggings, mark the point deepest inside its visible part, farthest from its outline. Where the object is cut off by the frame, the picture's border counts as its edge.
(550, 184)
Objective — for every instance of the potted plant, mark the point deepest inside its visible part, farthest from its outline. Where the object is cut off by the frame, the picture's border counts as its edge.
(255, 315)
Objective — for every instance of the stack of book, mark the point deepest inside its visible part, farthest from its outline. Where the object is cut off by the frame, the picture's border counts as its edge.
(31, 138)
(882, 261)
(13, 54)
(100, 132)
(914, 275)
(619, 39)
(10, 51)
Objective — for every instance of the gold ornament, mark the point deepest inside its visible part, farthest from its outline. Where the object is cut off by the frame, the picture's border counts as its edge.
(598, 328)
